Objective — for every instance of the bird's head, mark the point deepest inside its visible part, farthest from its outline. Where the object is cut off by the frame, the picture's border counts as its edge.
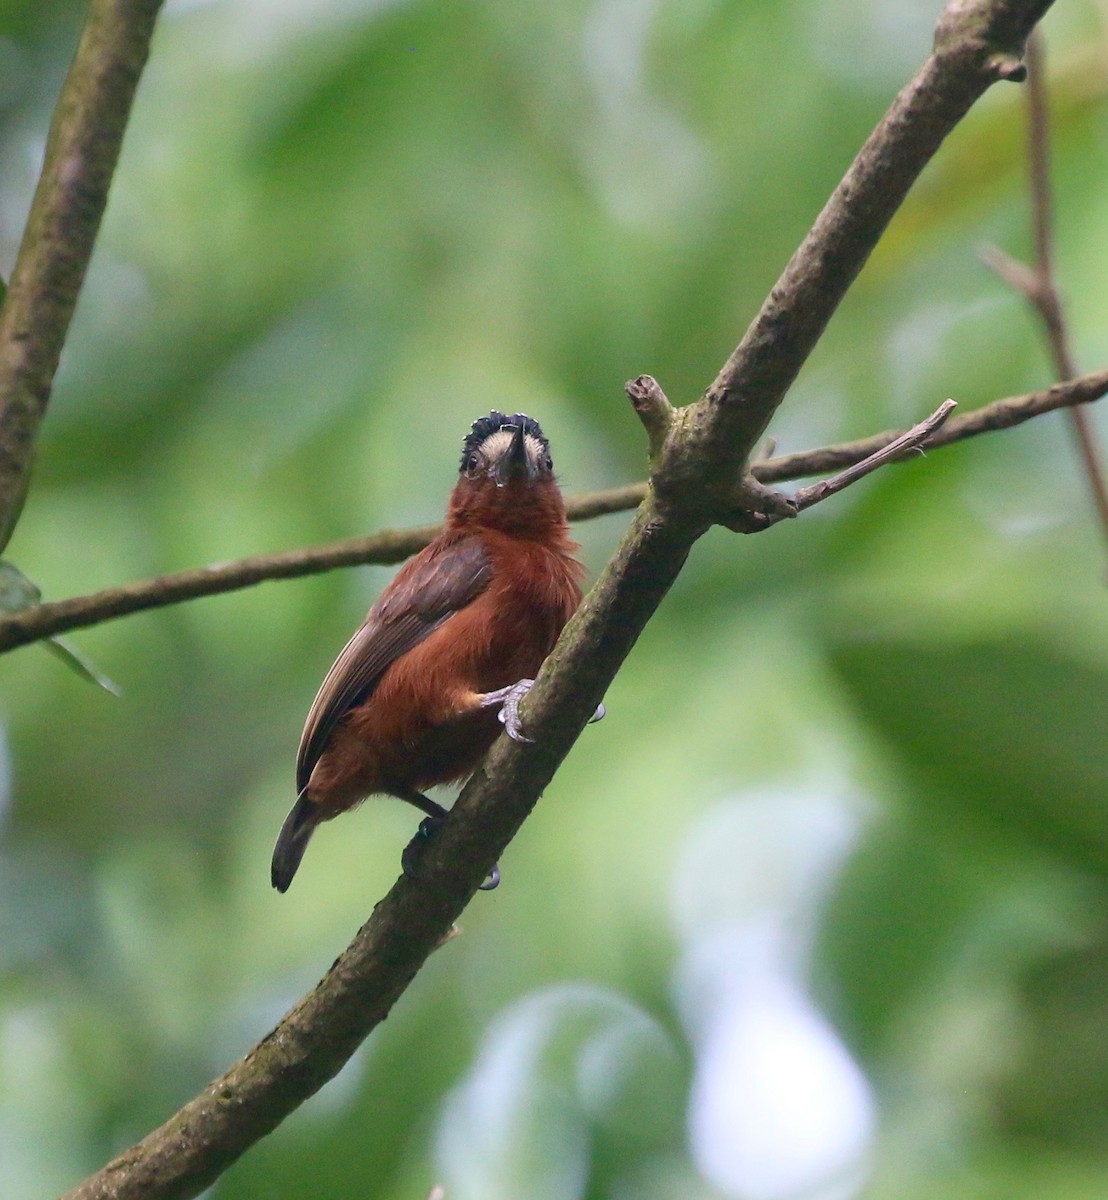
(507, 450)
(507, 474)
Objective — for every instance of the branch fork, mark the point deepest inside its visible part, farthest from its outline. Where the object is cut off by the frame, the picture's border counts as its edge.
(756, 506)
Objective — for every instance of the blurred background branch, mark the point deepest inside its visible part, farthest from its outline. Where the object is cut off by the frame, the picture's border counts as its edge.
(80, 159)
(1037, 284)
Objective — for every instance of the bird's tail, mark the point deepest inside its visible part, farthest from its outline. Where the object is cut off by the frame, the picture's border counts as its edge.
(292, 841)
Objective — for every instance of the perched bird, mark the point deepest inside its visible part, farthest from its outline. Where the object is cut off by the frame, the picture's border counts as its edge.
(417, 695)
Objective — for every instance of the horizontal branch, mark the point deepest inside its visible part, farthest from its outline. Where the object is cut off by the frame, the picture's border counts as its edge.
(385, 548)
(1000, 414)
(393, 546)
(46, 620)
(916, 438)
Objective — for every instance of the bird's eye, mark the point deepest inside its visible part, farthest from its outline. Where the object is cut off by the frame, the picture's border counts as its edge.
(472, 463)
(548, 463)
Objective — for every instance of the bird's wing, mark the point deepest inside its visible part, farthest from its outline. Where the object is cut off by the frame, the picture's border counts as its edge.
(430, 588)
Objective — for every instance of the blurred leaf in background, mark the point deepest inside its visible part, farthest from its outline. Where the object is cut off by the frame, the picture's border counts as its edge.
(819, 910)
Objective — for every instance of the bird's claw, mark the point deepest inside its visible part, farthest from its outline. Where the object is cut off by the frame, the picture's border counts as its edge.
(413, 852)
(509, 699)
(509, 710)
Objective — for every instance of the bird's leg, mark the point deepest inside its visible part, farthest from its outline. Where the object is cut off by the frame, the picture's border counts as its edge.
(509, 700)
(436, 814)
(432, 808)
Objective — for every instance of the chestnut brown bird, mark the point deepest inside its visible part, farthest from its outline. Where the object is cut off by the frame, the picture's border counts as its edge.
(418, 694)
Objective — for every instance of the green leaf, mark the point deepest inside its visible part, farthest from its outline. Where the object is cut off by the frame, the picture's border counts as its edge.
(79, 664)
(17, 592)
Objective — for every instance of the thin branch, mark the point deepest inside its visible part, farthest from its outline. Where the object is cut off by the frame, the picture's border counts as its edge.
(914, 440)
(978, 41)
(81, 154)
(601, 504)
(393, 546)
(776, 506)
(1037, 283)
(46, 620)
(1017, 275)
(1047, 300)
(387, 547)
(1000, 414)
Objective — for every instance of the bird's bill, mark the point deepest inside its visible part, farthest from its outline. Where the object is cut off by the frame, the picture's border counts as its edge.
(516, 462)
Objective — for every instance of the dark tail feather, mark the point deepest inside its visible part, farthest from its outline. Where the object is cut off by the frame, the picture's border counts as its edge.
(292, 841)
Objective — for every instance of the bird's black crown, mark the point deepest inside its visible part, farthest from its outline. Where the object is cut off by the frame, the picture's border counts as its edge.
(486, 426)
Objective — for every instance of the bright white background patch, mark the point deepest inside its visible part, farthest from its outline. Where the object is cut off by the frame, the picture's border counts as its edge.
(778, 1109)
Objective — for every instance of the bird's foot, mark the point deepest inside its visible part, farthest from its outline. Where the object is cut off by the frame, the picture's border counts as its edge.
(509, 699)
(413, 852)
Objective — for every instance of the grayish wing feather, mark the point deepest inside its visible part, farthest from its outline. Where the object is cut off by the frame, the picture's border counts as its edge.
(427, 591)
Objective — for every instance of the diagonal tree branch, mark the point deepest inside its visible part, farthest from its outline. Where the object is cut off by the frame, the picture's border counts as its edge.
(976, 44)
(691, 486)
(393, 546)
(81, 153)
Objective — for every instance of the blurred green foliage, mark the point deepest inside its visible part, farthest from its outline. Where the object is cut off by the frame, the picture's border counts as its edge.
(857, 764)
